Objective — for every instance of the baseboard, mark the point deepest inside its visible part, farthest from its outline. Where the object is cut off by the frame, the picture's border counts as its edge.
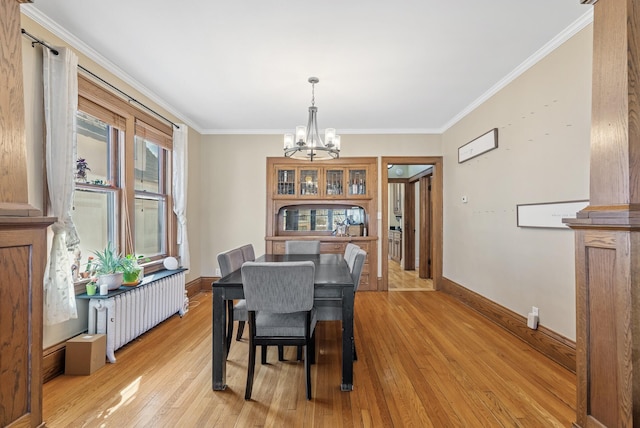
(206, 281)
(553, 345)
(53, 361)
(193, 287)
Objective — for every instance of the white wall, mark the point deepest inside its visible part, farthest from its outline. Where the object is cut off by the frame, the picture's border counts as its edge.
(543, 121)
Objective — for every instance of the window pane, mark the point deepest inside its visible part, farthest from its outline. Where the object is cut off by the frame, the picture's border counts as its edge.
(150, 229)
(93, 218)
(147, 158)
(93, 147)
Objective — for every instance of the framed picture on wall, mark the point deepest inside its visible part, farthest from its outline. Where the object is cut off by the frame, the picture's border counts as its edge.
(548, 214)
(484, 143)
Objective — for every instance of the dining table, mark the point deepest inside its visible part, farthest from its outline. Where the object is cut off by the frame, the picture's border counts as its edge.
(333, 286)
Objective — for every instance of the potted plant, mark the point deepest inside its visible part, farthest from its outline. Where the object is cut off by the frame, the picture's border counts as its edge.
(109, 267)
(131, 269)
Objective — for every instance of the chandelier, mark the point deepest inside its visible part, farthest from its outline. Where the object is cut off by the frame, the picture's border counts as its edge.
(306, 143)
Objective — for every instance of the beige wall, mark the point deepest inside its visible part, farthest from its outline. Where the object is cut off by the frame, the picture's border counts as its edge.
(543, 119)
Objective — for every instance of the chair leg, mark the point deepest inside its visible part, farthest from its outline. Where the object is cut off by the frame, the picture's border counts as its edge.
(307, 370)
(229, 324)
(264, 355)
(280, 353)
(240, 330)
(312, 348)
(355, 354)
(250, 371)
(299, 353)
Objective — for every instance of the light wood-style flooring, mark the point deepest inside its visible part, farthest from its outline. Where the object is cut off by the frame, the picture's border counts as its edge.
(406, 280)
(424, 360)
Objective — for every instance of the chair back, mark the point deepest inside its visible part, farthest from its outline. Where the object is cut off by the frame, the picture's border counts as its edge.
(278, 287)
(230, 261)
(356, 271)
(350, 254)
(302, 247)
(248, 253)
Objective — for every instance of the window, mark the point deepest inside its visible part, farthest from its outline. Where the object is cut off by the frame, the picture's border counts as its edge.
(122, 178)
(150, 166)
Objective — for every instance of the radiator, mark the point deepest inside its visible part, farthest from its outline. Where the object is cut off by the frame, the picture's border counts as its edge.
(132, 312)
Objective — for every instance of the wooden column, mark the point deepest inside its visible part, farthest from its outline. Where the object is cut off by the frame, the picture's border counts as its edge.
(22, 245)
(608, 230)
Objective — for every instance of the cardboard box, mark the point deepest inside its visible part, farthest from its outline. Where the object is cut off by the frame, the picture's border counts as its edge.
(85, 354)
(355, 229)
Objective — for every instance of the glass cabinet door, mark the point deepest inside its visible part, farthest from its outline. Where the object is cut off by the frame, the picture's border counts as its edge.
(308, 183)
(286, 182)
(357, 182)
(334, 179)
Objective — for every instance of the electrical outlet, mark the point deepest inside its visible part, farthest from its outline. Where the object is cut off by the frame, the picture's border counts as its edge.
(218, 272)
(534, 311)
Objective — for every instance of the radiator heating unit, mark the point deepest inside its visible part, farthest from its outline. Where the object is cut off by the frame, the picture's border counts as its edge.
(128, 314)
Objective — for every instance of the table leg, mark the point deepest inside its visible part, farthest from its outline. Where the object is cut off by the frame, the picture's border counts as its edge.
(219, 343)
(347, 340)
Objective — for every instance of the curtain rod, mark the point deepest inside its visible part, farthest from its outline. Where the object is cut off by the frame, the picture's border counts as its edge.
(36, 41)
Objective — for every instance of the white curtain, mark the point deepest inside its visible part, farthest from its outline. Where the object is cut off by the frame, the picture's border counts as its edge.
(180, 165)
(60, 75)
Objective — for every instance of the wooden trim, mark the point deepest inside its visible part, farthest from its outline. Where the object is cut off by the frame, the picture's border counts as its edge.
(553, 345)
(53, 361)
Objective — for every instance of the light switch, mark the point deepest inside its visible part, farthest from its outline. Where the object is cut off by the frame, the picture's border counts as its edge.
(464, 200)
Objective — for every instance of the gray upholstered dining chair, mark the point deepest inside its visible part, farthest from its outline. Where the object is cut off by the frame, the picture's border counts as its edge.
(248, 253)
(240, 307)
(356, 273)
(350, 254)
(280, 306)
(230, 261)
(302, 247)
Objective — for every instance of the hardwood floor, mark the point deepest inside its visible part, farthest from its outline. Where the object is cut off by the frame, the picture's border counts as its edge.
(406, 280)
(423, 360)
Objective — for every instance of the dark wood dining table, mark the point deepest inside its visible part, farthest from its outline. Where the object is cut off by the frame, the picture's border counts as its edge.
(333, 284)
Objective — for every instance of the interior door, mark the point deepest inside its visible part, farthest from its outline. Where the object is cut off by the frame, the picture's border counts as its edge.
(409, 227)
(424, 268)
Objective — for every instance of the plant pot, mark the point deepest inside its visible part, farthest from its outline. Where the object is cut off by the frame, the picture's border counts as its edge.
(91, 289)
(131, 277)
(113, 280)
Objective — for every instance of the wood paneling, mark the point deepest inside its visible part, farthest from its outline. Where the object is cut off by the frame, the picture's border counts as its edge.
(608, 230)
(13, 166)
(22, 255)
(602, 336)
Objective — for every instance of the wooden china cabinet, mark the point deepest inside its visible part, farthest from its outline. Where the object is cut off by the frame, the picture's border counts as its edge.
(22, 245)
(312, 200)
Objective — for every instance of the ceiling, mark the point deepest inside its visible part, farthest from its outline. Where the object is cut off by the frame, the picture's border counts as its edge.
(408, 66)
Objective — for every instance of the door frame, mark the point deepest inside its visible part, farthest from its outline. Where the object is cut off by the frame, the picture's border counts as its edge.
(436, 214)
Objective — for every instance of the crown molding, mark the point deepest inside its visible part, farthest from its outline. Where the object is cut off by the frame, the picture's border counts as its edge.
(77, 44)
(553, 44)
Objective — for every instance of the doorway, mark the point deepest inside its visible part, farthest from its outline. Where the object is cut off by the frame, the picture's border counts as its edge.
(429, 227)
